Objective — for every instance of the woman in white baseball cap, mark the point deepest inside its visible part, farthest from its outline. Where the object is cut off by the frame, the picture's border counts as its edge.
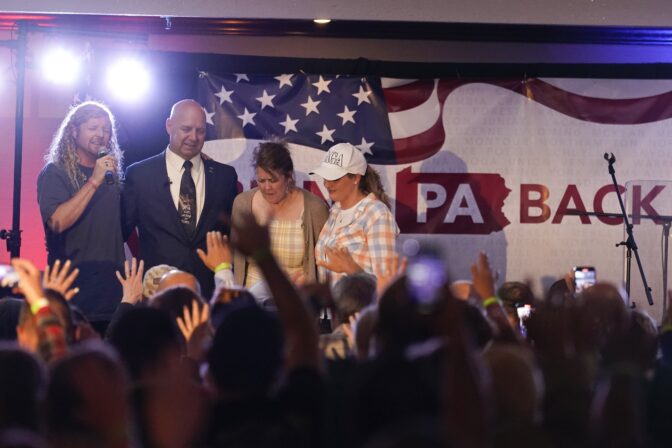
(361, 232)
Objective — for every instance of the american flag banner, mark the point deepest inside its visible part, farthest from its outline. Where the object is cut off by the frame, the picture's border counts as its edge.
(390, 121)
(471, 165)
(394, 122)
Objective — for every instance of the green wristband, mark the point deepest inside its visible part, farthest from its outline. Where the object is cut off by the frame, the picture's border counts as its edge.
(222, 266)
(491, 301)
(38, 305)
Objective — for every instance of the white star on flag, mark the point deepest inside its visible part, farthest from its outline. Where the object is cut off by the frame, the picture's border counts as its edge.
(284, 80)
(247, 117)
(224, 95)
(322, 85)
(266, 100)
(347, 115)
(241, 77)
(325, 134)
(365, 146)
(362, 96)
(208, 116)
(289, 124)
(311, 106)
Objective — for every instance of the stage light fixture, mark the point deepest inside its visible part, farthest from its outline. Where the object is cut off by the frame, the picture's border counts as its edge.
(60, 66)
(128, 79)
(321, 21)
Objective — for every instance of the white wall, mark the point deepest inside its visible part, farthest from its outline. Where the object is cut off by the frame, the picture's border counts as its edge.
(576, 12)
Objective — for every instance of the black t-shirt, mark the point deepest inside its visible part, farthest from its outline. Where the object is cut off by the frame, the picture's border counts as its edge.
(93, 243)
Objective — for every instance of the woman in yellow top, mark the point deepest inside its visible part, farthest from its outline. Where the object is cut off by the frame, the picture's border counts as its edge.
(294, 215)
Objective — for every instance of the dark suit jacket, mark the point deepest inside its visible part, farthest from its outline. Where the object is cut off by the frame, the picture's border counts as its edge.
(148, 205)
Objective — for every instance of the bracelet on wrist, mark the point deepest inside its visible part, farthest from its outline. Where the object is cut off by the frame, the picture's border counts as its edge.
(222, 266)
(261, 255)
(92, 183)
(492, 300)
(666, 328)
(36, 306)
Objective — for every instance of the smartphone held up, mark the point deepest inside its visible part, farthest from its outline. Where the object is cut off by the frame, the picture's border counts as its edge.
(8, 277)
(584, 277)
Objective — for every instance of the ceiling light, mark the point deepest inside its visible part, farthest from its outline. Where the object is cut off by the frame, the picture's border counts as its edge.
(61, 66)
(128, 80)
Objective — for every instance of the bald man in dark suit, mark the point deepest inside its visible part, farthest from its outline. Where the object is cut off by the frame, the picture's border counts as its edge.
(176, 197)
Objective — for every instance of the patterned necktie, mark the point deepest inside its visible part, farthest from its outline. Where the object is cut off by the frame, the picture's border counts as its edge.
(186, 207)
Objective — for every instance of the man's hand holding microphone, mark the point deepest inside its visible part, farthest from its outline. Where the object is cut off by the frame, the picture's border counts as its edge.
(103, 170)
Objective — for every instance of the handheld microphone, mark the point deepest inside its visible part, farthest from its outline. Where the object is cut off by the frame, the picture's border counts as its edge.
(109, 176)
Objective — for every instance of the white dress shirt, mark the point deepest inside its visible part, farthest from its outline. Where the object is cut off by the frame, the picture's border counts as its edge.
(174, 165)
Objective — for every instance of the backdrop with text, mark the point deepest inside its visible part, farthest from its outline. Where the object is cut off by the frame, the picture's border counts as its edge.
(476, 165)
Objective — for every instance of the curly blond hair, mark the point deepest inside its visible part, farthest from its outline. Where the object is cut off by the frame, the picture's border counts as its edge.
(63, 149)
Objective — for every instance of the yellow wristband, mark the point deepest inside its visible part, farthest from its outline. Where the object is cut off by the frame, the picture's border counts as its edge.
(222, 266)
(666, 328)
(491, 301)
(38, 305)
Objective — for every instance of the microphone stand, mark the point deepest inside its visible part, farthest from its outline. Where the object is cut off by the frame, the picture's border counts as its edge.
(666, 237)
(629, 243)
(667, 223)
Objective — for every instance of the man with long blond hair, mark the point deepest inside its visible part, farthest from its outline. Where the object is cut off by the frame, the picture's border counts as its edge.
(79, 194)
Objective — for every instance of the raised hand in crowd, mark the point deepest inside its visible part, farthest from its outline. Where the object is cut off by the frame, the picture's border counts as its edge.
(484, 286)
(349, 329)
(339, 260)
(196, 329)
(60, 278)
(466, 387)
(299, 327)
(482, 277)
(30, 280)
(131, 281)
(250, 237)
(51, 339)
(569, 280)
(217, 251)
(392, 268)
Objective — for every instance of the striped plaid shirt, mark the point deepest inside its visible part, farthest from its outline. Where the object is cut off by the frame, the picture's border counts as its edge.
(370, 236)
(288, 246)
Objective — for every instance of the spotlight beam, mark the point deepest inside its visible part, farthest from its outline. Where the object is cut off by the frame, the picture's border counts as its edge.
(128, 79)
(60, 66)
